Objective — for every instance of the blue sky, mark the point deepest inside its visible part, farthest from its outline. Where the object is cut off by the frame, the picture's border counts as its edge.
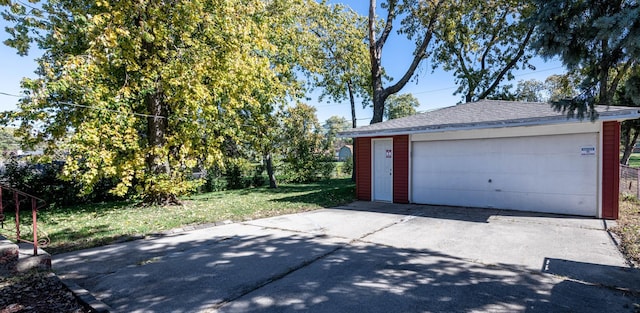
(433, 89)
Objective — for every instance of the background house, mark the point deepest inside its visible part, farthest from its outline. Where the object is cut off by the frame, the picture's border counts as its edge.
(345, 152)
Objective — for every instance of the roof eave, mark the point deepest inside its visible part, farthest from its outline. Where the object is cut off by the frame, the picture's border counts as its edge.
(618, 116)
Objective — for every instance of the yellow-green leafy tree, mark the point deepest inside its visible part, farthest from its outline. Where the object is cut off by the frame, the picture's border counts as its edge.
(482, 43)
(145, 91)
(341, 54)
(306, 155)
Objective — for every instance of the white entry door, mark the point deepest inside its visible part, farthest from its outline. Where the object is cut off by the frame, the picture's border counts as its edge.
(382, 170)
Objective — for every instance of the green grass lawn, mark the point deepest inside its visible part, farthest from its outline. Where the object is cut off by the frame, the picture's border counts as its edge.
(84, 226)
(634, 160)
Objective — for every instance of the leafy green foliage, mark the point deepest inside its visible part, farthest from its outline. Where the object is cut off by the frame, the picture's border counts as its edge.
(332, 126)
(335, 124)
(398, 106)
(482, 42)
(305, 152)
(530, 90)
(43, 180)
(347, 166)
(343, 69)
(8, 142)
(89, 225)
(627, 94)
(143, 92)
(599, 41)
(553, 88)
(597, 38)
(419, 21)
(562, 86)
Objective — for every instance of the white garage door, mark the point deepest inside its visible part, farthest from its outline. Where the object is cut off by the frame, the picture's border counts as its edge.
(541, 173)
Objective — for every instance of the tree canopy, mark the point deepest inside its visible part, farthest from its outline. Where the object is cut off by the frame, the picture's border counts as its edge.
(398, 106)
(306, 152)
(597, 38)
(343, 69)
(482, 42)
(144, 91)
(419, 21)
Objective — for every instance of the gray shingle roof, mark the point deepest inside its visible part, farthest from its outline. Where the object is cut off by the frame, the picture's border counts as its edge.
(483, 114)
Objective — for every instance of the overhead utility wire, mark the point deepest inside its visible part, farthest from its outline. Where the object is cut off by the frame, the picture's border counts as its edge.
(10, 95)
(524, 74)
(159, 116)
(94, 107)
(110, 110)
(454, 87)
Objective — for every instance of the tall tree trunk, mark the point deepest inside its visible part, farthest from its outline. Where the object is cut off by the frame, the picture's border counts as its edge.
(605, 96)
(352, 100)
(380, 93)
(272, 176)
(629, 134)
(375, 56)
(156, 162)
(379, 97)
(354, 124)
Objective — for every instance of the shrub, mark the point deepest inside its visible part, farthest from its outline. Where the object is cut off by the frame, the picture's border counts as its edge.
(239, 174)
(347, 166)
(310, 169)
(43, 181)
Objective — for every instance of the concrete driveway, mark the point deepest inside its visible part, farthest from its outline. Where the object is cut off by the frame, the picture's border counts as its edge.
(367, 257)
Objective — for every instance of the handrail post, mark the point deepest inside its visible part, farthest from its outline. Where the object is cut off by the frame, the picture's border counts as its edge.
(1, 209)
(34, 216)
(17, 201)
(638, 182)
(35, 205)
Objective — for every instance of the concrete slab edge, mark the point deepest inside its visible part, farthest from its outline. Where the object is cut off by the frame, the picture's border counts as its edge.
(635, 293)
(616, 241)
(85, 298)
(187, 228)
(90, 302)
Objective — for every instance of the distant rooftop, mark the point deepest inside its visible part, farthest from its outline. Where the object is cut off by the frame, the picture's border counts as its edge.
(484, 114)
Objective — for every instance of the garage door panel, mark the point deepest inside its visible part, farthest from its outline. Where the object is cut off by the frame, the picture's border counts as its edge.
(549, 203)
(541, 173)
(539, 183)
(455, 181)
(466, 198)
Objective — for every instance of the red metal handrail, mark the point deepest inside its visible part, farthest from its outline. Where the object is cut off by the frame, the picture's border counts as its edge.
(36, 204)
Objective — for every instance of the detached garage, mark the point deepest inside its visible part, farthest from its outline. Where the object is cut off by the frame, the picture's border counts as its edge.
(494, 154)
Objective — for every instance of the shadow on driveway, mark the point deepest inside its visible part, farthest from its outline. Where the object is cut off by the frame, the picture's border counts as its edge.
(597, 274)
(466, 214)
(240, 268)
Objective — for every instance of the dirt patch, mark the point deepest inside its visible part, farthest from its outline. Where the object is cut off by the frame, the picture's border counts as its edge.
(36, 292)
(628, 228)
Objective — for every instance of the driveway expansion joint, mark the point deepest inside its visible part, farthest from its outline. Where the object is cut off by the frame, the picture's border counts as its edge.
(314, 234)
(302, 265)
(400, 221)
(273, 279)
(338, 236)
